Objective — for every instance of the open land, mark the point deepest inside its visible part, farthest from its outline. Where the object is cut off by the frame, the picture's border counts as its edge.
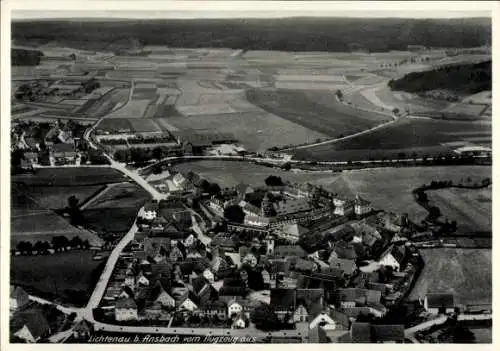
(422, 136)
(471, 208)
(116, 209)
(68, 276)
(467, 273)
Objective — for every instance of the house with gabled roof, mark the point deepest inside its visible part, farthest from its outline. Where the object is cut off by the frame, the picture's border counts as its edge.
(18, 298)
(347, 266)
(187, 303)
(82, 330)
(30, 325)
(393, 257)
(125, 310)
(439, 303)
(161, 296)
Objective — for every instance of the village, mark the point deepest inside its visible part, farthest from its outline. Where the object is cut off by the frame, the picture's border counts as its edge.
(233, 263)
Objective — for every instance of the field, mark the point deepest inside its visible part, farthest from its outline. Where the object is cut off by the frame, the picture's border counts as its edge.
(115, 210)
(68, 276)
(257, 131)
(56, 197)
(318, 110)
(34, 197)
(423, 136)
(98, 107)
(471, 208)
(466, 273)
(71, 177)
(466, 109)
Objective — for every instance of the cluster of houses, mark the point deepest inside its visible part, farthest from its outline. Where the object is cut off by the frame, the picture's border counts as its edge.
(169, 273)
(59, 141)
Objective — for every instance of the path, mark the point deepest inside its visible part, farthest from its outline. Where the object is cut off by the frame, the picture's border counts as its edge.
(94, 198)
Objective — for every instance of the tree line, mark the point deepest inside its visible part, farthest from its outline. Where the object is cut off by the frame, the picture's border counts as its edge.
(58, 244)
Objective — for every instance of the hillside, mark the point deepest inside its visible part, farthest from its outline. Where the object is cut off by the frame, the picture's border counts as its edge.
(286, 34)
(462, 79)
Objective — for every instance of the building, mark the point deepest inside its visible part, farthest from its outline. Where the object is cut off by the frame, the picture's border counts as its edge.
(179, 181)
(393, 257)
(289, 251)
(291, 232)
(239, 321)
(83, 330)
(30, 326)
(29, 160)
(125, 310)
(343, 207)
(213, 309)
(63, 154)
(361, 206)
(18, 298)
(439, 303)
(150, 210)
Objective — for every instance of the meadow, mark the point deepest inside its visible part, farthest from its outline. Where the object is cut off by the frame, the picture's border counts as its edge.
(466, 273)
(68, 277)
(470, 208)
(115, 210)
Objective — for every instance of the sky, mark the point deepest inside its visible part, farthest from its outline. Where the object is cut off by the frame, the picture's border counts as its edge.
(249, 9)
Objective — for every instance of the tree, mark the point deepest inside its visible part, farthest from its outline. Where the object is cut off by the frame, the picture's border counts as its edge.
(76, 242)
(286, 166)
(38, 247)
(273, 180)
(463, 335)
(264, 318)
(395, 110)
(234, 213)
(339, 94)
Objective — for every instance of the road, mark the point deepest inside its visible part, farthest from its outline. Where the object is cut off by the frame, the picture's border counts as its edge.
(101, 285)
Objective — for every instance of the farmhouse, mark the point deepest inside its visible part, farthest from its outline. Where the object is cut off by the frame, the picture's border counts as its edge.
(63, 153)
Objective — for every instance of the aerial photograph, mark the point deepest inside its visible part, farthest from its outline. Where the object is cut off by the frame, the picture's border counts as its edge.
(254, 179)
